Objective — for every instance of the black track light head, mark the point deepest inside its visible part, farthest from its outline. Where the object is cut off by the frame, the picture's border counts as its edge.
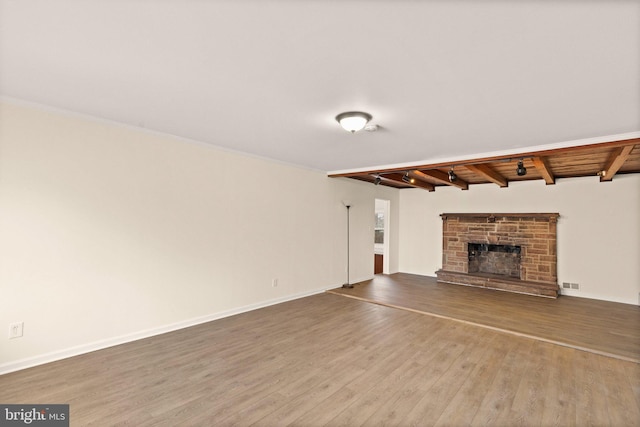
(452, 175)
(377, 180)
(406, 178)
(521, 170)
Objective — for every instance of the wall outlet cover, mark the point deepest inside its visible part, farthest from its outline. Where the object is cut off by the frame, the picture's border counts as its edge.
(16, 329)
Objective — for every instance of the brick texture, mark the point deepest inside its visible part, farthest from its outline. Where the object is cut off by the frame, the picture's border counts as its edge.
(534, 233)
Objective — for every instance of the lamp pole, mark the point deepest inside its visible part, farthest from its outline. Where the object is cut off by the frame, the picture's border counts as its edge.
(348, 284)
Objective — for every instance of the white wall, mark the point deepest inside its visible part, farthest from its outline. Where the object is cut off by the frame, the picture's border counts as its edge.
(111, 233)
(598, 228)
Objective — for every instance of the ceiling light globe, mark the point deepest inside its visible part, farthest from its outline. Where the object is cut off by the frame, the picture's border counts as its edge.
(353, 121)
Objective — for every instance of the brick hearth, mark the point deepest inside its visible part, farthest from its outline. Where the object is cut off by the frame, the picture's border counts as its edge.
(535, 233)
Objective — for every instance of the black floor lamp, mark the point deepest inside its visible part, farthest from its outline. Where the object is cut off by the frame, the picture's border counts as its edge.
(348, 206)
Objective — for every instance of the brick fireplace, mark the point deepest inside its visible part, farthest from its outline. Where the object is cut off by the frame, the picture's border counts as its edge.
(508, 251)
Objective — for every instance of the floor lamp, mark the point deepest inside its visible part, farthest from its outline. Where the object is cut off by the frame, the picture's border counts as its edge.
(348, 284)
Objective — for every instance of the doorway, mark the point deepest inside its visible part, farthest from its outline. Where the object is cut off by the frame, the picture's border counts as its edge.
(381, 237)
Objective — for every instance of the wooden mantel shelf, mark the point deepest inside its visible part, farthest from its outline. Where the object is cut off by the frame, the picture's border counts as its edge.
(541, 215)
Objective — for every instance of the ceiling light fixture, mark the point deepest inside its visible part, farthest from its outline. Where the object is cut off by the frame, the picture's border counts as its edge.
(353, 121)
(521, 170)
(452, 175)
(406, 178)
(378, 180)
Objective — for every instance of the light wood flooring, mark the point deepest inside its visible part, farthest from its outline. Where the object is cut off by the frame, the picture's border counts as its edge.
(599, 326)
(335, 361)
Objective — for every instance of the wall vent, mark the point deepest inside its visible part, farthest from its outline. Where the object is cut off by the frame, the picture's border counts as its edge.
(566, 285)
(575, 286)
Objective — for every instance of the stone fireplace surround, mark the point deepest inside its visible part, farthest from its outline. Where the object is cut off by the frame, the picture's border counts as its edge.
(534, 233)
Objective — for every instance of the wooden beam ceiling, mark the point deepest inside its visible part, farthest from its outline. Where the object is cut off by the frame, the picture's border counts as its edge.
(488, 173)
(423, 179)
(442, 178)
(604, 160)
(543, 167)
(397, 177)
(615, 162)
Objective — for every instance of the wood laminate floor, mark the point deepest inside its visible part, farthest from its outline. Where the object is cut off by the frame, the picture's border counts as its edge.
(335, 361)
(602, 327)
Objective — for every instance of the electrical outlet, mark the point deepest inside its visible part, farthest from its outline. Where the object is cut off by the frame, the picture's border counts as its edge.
(274, 283)
(16, 329)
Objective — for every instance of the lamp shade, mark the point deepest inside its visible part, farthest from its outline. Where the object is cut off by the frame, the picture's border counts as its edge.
(353, 121)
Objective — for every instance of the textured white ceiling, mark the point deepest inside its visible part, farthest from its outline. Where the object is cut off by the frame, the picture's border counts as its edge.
(443, 79)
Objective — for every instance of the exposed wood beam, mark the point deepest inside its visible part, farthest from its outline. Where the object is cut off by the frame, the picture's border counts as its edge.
(489, 159)
(397, 177)
(543, 167)
(442, 178)
(615, 162)
(488, 173)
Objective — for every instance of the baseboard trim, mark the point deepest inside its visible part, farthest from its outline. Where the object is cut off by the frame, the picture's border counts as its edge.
(123, 339)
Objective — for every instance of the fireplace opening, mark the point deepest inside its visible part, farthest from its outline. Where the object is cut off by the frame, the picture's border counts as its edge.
(502, 260)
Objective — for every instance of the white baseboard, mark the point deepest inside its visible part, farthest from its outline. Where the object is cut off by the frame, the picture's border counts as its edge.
(123, 339)
(587, 295)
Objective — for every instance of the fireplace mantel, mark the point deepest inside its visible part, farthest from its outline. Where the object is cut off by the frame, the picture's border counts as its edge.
(535, 233)
(492, 216)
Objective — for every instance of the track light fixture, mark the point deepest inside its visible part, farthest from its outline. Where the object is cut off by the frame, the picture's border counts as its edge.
(377, 180)
(521, 170)
(452, 175)
(406, 178)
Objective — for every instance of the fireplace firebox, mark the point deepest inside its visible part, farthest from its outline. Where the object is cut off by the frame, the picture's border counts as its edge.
(502, 260)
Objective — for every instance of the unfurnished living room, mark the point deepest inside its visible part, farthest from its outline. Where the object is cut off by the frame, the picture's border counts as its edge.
(314, 212)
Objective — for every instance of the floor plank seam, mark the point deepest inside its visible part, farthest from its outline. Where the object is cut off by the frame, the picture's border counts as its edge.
(493, 328)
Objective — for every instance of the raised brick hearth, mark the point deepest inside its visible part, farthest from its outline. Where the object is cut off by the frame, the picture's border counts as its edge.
(510, 241)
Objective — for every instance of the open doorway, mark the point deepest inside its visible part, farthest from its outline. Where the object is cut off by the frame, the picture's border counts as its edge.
(381, 237)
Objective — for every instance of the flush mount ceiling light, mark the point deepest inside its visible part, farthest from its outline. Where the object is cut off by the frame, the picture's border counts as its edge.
(521, 170)
(353, 121)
